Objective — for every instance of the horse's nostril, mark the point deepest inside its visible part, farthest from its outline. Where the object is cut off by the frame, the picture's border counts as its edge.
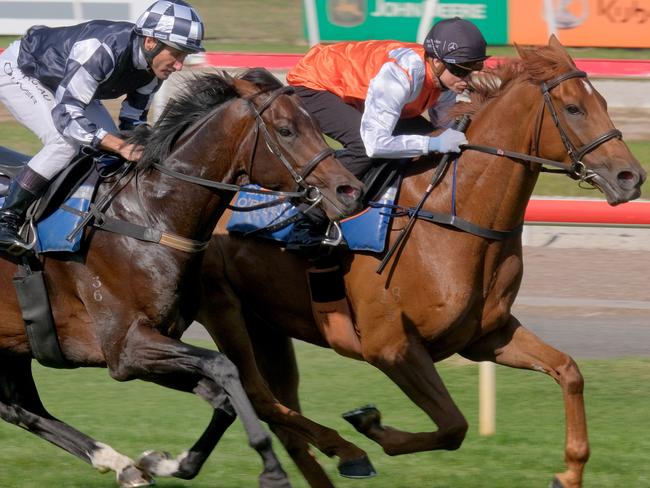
(348, 192)
(628, 180)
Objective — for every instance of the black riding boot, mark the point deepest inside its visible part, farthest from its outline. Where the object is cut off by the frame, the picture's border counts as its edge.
(12, 213)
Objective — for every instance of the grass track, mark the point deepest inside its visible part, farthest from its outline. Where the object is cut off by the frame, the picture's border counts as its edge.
(525, 452)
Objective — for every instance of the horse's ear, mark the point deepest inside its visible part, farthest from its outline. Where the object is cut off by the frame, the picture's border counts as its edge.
(554, 43)
(520, 51)
(244, 88)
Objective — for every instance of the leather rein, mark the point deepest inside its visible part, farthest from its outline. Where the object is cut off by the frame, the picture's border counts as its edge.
(306, 191)
(575, 169)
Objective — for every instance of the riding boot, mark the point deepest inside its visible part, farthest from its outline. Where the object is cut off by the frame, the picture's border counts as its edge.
(331, 309)
(23, 191)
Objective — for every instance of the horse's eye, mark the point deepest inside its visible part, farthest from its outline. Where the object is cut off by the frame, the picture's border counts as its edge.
(573, 109)
(285, 132)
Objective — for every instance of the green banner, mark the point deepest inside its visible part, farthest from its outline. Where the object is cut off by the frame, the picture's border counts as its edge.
(346, 20)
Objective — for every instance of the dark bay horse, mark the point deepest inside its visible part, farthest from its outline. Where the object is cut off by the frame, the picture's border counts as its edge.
(122, 303)
(450, 291)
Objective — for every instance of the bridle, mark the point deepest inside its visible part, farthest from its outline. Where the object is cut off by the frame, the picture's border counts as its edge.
(576, 168)
(576, 154)
(309, 193)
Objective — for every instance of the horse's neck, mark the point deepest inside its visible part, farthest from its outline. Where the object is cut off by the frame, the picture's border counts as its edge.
(494, 191)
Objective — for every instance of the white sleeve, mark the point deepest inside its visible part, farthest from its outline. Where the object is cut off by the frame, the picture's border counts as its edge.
(388, 92)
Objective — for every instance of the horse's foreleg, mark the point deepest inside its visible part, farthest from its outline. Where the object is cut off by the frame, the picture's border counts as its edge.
(515, 346)
(188, 464)
(20, 404)
(411, 368)
(151, 356)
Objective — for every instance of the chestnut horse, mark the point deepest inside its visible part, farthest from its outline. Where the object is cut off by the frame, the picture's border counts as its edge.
(450, 291)
(122, 302)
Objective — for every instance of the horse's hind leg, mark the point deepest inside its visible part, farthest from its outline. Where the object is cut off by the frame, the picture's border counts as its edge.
(151, 356)
(21, 405)
(276, 359)
(515, 346)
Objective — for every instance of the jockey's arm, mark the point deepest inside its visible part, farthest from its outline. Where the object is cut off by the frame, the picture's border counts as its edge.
(389, 91)
(115, 144)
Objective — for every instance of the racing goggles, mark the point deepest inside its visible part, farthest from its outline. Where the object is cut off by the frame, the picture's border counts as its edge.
(463, 70)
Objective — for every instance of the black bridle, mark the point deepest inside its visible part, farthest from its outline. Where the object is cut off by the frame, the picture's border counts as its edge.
(576, 168)
(309, 193)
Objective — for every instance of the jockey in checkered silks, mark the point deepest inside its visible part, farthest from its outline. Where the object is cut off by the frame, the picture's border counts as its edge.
(53, 81)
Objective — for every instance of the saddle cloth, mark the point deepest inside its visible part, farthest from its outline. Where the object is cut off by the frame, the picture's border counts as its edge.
(365, 231)
(66, 202)
(52, 231)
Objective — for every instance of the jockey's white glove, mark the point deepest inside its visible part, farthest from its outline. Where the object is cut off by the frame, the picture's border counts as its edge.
(448, 141)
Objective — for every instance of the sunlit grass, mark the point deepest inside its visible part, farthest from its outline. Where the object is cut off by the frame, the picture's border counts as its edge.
(526, 450)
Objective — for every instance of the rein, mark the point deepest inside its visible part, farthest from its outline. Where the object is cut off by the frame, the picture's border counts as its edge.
(577, 169)
(308, 192)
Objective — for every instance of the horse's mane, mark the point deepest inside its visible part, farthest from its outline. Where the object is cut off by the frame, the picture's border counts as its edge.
(200, 95)
(535, 65)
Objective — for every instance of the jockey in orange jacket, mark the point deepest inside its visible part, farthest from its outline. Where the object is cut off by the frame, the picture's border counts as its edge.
(370, 95)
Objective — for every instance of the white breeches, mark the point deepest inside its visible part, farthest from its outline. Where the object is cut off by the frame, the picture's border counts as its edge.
(31, 103)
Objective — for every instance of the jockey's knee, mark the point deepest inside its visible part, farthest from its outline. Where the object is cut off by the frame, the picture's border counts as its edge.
(55, 155)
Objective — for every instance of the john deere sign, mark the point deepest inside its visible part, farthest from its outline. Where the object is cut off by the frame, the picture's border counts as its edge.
(400, 19)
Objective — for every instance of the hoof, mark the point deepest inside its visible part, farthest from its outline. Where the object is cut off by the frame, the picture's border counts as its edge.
(556, 483)
(364, 417)
(274, 479)
(358, 468)
(132, 477)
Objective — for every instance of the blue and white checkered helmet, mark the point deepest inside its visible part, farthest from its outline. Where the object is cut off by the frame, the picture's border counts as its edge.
(172, 22)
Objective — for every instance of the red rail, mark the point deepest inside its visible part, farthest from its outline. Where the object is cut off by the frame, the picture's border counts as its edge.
(588, 212)
(594, 67)
(606, 68)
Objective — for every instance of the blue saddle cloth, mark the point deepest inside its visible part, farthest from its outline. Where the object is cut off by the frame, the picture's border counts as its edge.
(365, 231)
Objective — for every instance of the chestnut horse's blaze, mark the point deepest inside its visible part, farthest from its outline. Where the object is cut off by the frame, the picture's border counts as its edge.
(456, 289)
(122, 303)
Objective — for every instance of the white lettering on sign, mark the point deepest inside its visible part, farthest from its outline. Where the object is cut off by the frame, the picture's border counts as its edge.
(384, 8)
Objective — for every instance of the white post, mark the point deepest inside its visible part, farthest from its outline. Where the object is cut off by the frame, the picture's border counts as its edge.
(312, 22)
(487, 398)
(428, 14)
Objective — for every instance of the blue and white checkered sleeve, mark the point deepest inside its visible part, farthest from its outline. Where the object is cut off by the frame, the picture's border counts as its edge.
(90, 63)
(135, 106)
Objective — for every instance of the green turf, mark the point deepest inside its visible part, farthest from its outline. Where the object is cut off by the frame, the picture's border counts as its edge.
(525, 452)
